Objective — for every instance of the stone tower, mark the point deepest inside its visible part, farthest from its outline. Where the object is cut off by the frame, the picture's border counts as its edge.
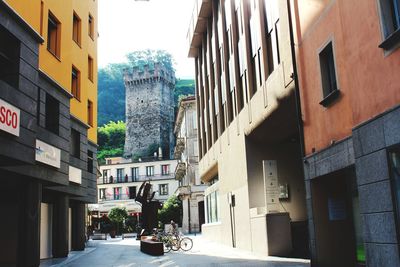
(149, 110)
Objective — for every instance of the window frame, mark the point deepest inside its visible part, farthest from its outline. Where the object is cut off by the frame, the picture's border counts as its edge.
(56, 50)
(165, 191)
(91, 26)
(75, 144)
(50, 125)
(76, 25)
(390, 37)
(328, 97)
(167, 167)
(151, 173)
(90, 113)
(76, 91)
(90, 68)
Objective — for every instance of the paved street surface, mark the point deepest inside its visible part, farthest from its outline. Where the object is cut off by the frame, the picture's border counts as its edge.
(126, 253)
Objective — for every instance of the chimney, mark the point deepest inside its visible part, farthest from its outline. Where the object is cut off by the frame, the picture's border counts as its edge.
(160, 155)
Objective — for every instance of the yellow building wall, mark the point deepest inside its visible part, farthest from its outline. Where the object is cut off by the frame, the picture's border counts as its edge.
(71, 54)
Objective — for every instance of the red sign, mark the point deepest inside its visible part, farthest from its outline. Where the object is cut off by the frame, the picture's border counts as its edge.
(9, 118)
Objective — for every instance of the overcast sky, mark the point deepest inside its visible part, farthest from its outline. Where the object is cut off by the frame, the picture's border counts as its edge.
(129, 25)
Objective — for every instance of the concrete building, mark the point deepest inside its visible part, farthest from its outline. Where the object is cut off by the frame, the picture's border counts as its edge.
(149, 110)
(348, 69)
(121, 180)
(48, 98)
(249, 148)
(191, 189)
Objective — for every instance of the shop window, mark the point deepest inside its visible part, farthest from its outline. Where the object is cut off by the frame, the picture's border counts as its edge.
(163, 189)
(9, 57)
(75, 143)
(52, 114)
(328, 75)
(76, 29)
(53, 35)
(75, 83)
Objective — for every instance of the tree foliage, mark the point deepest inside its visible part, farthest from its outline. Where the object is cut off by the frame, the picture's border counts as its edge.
(117, 217)
(171, 210)
(148, 57)
(111, 140)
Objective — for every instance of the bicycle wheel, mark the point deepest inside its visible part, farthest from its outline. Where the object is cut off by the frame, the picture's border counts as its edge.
(167, 246)
(175, 244)
(186, 244)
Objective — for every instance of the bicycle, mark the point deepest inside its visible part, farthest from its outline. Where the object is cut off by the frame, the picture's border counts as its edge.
(173, 241)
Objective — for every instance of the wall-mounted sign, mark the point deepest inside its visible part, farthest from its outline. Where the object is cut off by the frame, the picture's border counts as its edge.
(9, 118)
(75, 175)
(271, 185)
(47, 154)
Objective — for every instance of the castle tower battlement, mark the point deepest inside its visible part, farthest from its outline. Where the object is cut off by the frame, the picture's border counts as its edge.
(149, 110)
(158, 72)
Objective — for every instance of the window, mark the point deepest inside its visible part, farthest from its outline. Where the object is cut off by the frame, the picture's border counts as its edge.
(163, 189)
(53, 35)
(102, 194)
(91, 26)
(212, 207)
(135, 174)
(164, 169)
(149, 170)
(117, 193)
(9, 58)
(390, 19)
(76, 29)
(75, 83)
(90, 68)
(132, 192)
(394, 159)
(75, 143)
(90, 113)
(90, 161)
(120, 174)
(328, 75)
(52, 114)
(105, 176)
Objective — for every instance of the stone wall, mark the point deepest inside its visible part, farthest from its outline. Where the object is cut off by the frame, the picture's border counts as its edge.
(149, 110)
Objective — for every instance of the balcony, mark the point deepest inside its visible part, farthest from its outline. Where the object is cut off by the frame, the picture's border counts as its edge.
(111, 196)
(132, 179)
(179, 147)
(180, 171)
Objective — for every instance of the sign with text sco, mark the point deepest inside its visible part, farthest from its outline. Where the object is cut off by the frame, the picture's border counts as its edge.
(9, 118)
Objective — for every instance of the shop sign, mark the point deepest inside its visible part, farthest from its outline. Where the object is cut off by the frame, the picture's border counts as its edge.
(9, 118)
(75, 175)
(47, 154)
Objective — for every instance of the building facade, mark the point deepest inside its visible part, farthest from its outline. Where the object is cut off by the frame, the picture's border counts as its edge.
(48, 100)
(149, 111)
(191, 189)
(249, 144)
(348, 69)
(121, 179)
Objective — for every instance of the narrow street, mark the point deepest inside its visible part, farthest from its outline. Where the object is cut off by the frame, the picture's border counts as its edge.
(125, 253)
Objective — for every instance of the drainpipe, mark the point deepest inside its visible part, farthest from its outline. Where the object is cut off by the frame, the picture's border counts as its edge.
(296, 84)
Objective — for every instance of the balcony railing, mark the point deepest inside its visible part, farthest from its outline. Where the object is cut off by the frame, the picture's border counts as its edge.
(111, 196)
(131, 179)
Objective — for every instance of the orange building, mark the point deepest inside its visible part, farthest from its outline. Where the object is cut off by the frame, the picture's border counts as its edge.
(348, 65)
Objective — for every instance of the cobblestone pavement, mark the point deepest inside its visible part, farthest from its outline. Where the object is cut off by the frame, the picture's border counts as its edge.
(126, 253)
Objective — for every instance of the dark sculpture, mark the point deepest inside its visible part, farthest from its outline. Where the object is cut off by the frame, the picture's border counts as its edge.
(149, 208)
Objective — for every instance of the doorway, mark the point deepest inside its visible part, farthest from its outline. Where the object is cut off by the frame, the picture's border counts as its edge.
(201, 214)
(337, 220)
